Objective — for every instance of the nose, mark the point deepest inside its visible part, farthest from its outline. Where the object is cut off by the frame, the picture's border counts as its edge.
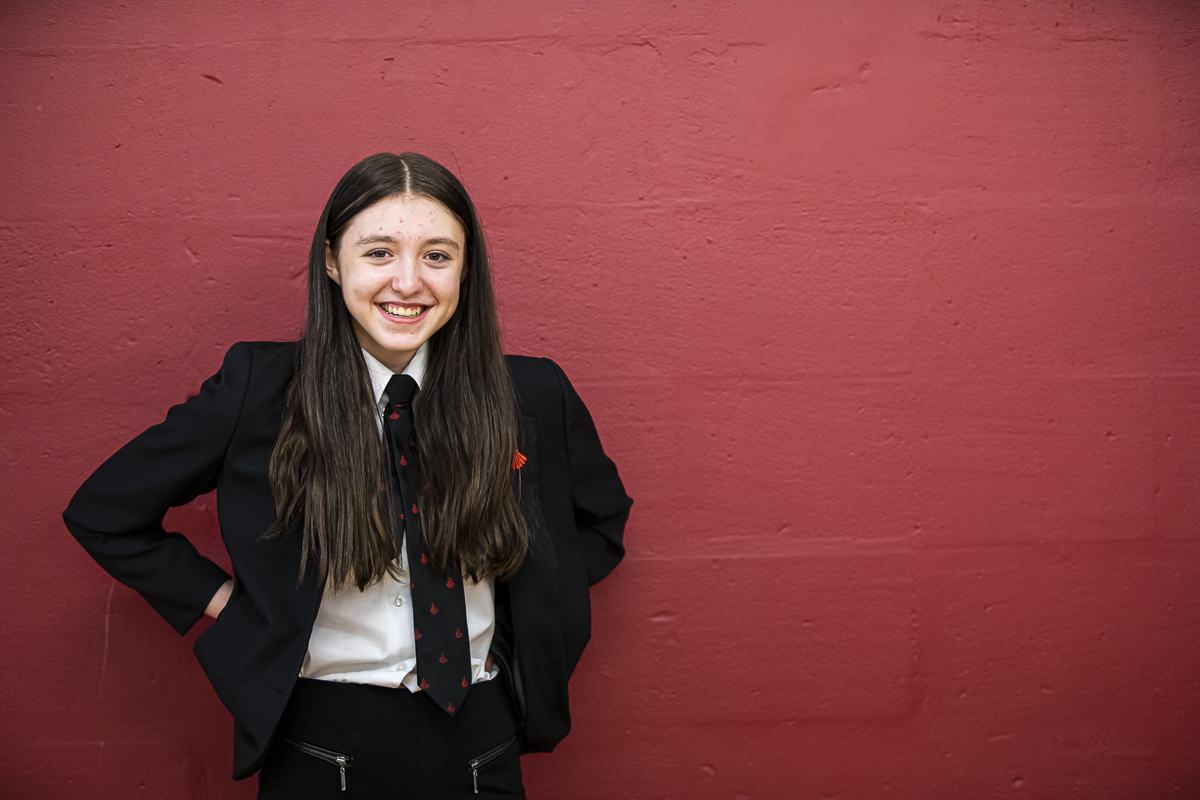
(406, 275)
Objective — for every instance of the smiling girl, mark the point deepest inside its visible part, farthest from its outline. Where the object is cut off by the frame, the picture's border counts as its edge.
(413, 519)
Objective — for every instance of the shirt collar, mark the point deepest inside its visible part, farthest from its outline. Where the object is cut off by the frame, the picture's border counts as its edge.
(380, 374)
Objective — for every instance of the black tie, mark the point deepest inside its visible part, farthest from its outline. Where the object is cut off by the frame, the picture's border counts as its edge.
(439, 605)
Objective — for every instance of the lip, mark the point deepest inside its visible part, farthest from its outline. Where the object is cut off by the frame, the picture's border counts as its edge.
(402, 320)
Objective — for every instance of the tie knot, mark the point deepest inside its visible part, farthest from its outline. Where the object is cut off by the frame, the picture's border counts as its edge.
(400, 390)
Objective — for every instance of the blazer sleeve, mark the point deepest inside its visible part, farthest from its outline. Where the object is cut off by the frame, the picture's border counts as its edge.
(117, 513)
(601, 505)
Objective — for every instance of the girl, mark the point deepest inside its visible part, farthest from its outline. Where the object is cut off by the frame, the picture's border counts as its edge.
(413, 519)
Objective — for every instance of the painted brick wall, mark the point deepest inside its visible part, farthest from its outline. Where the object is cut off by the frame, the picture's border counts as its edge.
(887, 311)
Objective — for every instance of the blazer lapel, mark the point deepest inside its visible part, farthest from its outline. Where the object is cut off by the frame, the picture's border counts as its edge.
(538, 644)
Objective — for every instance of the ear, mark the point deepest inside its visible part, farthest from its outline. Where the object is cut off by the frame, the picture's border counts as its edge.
(331, 267)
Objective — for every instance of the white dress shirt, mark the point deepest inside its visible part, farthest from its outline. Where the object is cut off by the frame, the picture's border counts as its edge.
(367, 636)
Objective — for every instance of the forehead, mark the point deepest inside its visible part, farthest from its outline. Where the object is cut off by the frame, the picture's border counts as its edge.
(408, 215)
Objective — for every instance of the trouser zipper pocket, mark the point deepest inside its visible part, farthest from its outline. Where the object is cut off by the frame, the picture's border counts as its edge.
(490, 755)
(337, 759)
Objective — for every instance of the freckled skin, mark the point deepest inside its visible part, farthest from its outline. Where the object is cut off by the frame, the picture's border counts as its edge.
(405, 269)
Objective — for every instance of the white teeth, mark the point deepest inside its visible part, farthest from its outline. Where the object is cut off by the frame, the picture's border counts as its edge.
(401, 311)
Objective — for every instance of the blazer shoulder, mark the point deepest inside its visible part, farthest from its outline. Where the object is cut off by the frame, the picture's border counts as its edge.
(267, 348)
(269, 362)
(265, 352)
(532, 370)
(537, 381)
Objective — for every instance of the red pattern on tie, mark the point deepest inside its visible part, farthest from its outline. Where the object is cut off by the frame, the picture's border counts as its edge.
(438, 608)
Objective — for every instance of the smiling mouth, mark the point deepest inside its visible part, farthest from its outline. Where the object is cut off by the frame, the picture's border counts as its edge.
(402, 312)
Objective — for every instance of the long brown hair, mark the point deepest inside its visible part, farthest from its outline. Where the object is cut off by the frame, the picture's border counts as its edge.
(329, 461)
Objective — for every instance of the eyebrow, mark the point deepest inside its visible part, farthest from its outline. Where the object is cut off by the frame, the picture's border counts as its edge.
(390, 240)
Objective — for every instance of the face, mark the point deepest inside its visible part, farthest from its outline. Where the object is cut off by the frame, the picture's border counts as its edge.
(399, 264)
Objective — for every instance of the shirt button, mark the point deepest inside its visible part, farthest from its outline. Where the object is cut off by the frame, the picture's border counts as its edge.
(397, 601)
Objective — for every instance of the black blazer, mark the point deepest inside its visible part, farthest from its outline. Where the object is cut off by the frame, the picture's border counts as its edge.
(222, 439)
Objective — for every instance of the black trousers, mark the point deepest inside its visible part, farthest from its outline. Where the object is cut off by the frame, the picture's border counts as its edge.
(391, 743)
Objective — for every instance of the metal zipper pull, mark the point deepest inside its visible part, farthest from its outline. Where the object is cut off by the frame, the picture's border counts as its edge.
(489, 757)
(341, 762)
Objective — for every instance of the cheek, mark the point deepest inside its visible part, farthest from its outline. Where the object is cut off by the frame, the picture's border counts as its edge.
(453, 295)
(448, 289)
(359, 286)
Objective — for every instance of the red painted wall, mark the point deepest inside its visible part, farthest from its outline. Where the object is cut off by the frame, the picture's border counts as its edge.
(887, 311)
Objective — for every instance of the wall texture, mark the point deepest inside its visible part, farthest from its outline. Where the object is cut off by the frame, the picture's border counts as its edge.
(887, 311)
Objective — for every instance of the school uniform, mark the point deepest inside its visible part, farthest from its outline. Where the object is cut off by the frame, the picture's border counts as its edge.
(222, 438)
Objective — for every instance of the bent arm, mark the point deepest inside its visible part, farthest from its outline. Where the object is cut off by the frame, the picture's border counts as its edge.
(601, 505)
(117, 513)
(217, 604)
